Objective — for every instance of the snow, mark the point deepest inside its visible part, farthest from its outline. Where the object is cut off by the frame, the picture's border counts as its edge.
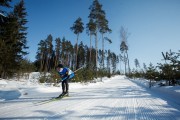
(3, 83)
(116, 98)
(168, 92)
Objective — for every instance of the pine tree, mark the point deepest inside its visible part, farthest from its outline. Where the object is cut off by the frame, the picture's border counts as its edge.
(8, 47)
(108, 59)
(49, 44)
(20, 13)
(81, 55)
(68, 50)
(136, 62)
(41, 54)
(91, 28)
(124, 48)
(113, 61)
(96, 14)
(13, 39)
(57, 51)
(170, 70)
(151, 74)
(104, 29)
(77, 28)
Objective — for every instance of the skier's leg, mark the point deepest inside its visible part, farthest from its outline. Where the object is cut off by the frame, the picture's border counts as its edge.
(63, 89)
(63, 86)
(67, 87)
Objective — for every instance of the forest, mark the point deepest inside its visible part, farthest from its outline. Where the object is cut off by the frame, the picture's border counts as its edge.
(95, 63)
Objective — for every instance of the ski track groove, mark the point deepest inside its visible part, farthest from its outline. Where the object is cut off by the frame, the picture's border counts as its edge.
(121, 112)
(105, 103)
(89, 114)
(159, 110)
(112, 110)
(142, 106)
(145, 105)
(163, 111)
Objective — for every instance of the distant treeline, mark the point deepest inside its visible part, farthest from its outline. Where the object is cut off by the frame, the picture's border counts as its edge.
(49, 56)
(169, 71)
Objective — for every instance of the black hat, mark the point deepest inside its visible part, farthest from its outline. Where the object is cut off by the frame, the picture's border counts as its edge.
(60, 66)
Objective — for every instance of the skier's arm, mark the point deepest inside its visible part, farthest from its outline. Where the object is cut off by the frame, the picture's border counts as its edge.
(64, 73)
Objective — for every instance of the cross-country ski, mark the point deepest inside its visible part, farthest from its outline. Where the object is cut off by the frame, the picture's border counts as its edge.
(50, 100)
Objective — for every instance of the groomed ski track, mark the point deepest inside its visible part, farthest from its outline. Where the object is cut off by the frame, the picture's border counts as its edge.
(115, 99)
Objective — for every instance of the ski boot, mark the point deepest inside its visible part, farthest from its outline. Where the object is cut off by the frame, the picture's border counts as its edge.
(61, 95)
(66, 94)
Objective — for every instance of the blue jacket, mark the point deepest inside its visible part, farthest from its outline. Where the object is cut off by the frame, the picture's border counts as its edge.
(64, 74)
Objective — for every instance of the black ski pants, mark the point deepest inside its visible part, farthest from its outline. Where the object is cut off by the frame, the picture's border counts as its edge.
(65, 86)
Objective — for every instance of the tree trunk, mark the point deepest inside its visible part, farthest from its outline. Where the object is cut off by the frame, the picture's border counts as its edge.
(56, 60)
(150, 83)
(46, 66)
(77, 49)
(120, 63)
(90, 49)
(128, 63)
(96, 50)
(125, 61)
(41, 64)
(103, 51)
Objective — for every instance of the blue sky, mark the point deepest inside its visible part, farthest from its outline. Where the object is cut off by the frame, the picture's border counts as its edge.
(153, 25)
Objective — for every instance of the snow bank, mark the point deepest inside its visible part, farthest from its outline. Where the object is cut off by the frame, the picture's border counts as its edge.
(9, 94)
(169, 92)
(3, 83)
(9, 90)
(34, 78)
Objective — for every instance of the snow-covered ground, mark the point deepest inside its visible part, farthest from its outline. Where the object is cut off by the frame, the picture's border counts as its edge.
(116, 98)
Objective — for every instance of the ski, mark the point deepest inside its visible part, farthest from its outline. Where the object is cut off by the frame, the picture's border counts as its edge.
(49, 100)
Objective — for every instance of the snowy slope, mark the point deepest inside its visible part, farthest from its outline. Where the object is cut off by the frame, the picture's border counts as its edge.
(116, 99)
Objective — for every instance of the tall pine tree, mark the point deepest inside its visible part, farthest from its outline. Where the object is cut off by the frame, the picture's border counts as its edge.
(77, 28)
(13, 39)
(96, 15)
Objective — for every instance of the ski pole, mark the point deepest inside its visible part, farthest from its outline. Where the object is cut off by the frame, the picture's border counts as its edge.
(79, 68)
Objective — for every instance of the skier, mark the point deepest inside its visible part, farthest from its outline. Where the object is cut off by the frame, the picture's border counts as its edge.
(66, 74)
